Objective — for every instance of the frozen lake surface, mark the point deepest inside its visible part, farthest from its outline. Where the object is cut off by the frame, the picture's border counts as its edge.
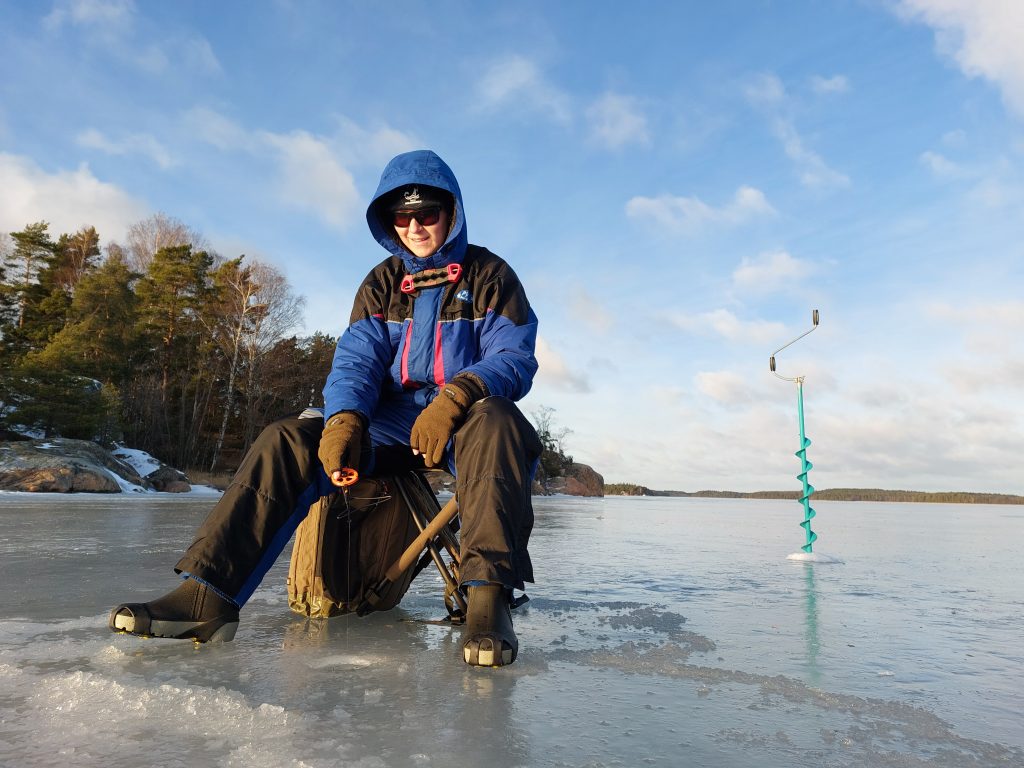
(662, 632)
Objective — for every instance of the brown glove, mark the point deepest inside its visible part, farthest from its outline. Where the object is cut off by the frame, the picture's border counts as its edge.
(433, 428)
(341, 442)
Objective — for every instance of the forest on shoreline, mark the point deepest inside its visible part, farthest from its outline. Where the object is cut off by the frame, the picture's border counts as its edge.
(158, 343)
(829, 494)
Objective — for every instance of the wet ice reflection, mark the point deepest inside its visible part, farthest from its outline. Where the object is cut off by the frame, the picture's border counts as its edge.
(665, 632)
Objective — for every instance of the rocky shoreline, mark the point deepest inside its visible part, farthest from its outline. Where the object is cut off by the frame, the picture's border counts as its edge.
(578, 480)
(62, 465)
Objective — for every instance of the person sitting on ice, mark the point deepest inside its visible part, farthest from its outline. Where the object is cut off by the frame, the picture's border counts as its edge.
(439, 346)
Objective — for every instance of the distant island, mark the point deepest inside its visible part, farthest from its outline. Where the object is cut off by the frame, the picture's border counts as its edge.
(831, 494)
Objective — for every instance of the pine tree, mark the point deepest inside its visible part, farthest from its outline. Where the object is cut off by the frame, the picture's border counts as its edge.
(48, 303)
(171, 295)
(99, 339)
(75, 256)
(33, 251)
(167, 403)
(56, 403)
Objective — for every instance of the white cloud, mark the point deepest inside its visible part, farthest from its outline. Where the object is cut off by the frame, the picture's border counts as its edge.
(770, 271)
(984, 318)
(198, 54)
(766, 92)
(131, 144)
(679, 213)
(313, 171)
(117, 29)
(722, 322)
(938, 442)
(616, 120)
(66, 199)
(312, 178)
(214, 128)
(940, 165)
(187, 52)
(555, 372)
(102, 13)
(955, 138)
(590, 311)
(149, 58)
(725, 387)
(826, 85)
(373, 146)
(994, 185)
(814, 171)
(765, 89)
(516, 83)
(1005, 373)
(983, 36)
(996, 193)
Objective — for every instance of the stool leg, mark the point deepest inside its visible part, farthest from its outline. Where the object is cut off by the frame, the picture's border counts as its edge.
(453, 592)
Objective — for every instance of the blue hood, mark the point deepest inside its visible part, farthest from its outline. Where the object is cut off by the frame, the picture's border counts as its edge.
(419, 167)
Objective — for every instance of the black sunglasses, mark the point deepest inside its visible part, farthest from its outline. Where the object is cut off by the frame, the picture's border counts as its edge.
(425, 216)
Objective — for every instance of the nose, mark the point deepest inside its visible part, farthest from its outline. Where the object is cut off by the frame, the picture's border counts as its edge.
(414, 225)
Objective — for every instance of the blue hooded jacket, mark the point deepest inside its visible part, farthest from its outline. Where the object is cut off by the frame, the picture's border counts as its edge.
(400, 348)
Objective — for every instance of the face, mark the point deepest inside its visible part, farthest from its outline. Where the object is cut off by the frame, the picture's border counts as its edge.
(423, 241)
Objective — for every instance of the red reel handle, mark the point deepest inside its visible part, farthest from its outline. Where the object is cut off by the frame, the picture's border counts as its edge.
(348, 477)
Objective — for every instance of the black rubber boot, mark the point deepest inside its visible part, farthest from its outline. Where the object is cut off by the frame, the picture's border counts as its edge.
(490, 640)
(193, 611)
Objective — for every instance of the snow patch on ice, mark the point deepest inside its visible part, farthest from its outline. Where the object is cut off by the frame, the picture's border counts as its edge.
(346, 661)
(814, 557)
(182, 723)
(18, 629)
(204, 490)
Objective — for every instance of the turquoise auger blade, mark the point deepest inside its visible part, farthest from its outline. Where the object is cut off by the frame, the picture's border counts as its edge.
(805, 498)
(805, 467)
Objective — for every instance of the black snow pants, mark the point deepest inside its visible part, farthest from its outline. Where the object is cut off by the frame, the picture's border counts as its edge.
(496, 451)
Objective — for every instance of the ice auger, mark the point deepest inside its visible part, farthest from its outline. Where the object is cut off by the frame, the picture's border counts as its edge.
(805, 465)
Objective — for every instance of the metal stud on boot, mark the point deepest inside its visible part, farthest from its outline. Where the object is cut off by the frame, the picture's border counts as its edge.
(490, 640)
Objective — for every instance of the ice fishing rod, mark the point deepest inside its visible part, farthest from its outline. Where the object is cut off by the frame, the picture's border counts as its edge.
(805, 465)
(346, 477)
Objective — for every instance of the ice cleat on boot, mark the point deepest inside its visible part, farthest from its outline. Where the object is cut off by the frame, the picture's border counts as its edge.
(490, 640)
(193, 611)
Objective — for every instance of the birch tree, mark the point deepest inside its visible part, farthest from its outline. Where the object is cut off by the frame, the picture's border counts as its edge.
(256, 309)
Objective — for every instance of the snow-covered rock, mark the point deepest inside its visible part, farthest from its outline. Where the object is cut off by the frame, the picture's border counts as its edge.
(61, 465)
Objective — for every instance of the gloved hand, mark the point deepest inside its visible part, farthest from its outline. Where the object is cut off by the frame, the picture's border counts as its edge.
(341, 442)
(433, 428)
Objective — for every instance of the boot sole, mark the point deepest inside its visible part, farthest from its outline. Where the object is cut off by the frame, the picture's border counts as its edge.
(219, 630)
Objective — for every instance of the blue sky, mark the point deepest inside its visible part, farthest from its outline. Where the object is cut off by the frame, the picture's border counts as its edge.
(678, 184)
